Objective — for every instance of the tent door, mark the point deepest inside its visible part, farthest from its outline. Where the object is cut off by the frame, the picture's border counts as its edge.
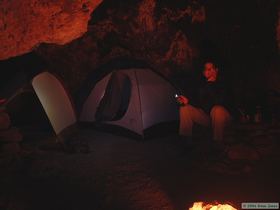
(115, 101)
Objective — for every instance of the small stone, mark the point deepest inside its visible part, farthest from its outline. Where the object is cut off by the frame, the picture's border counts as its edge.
(263, 140)
(5, 121)
(4, 202)
(247, 169)
(10, 135)
(230, 140)
(242, 152)
(11, 149)
(267, 150)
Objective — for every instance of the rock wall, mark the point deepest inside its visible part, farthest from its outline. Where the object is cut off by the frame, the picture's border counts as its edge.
(146, 29)
(26, 24)
(171, 36)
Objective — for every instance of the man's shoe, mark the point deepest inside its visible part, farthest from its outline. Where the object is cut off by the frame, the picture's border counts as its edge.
(217, 149)
(186, 145)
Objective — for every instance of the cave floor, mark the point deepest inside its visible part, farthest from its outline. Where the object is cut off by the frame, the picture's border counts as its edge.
(125, 174)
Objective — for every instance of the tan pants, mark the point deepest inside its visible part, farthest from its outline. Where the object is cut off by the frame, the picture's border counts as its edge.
(219, 118)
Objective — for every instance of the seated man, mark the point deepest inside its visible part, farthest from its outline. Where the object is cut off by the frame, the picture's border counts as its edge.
(210, 108)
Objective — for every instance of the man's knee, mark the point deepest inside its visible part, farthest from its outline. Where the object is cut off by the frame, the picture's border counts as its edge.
(186, 109)
(219, 112)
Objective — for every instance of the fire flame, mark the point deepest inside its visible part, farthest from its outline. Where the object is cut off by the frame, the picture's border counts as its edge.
(202, 206)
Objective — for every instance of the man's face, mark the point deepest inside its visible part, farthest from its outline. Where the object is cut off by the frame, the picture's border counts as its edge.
(210, 72)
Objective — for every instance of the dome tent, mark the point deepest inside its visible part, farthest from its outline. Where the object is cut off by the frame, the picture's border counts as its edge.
(33, 96)
(43, 102)
(128, 94)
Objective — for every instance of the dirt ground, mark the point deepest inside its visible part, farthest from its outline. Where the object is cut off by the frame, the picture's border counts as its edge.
(121, 173)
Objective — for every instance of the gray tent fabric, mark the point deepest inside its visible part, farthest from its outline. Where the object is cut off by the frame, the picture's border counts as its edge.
(13, 85)
(46, 96)
(151, 100)
(116, 98)
(22, 106)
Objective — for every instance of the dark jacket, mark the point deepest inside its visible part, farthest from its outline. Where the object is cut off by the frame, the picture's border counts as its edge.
(214, 93)
(205, 95)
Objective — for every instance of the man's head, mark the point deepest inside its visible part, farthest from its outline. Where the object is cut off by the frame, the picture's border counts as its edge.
(210, 71)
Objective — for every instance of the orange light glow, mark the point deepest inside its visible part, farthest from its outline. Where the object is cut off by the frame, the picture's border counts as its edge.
(202, 206)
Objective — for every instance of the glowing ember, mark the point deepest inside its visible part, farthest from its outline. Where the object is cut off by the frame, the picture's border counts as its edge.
(202, 206)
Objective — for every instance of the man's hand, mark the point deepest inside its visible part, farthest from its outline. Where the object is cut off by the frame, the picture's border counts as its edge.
(182, 100)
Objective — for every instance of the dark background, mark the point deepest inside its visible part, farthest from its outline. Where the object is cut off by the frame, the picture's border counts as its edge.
(240, 36)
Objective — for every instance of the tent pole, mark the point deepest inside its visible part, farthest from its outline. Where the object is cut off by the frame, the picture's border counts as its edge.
(142, 126)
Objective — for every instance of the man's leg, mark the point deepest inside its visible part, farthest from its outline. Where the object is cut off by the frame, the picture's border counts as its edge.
(220, 118)
(190, 115)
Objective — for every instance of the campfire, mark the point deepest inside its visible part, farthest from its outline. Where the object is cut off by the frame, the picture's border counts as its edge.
(217, 206)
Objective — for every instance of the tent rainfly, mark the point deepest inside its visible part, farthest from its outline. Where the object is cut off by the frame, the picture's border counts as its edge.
(55, 101)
